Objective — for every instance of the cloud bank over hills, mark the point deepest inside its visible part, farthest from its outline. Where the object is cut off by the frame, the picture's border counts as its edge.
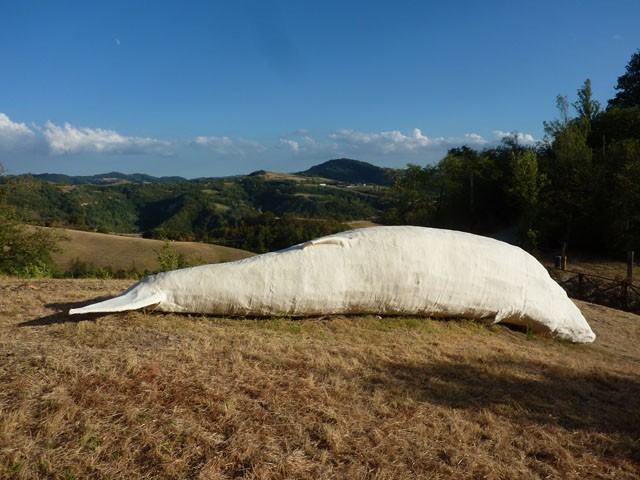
(58, 147)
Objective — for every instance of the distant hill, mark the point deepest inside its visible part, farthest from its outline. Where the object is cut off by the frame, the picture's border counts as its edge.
(340, 170)
(351, 171)
(110, 178)
(259, 212)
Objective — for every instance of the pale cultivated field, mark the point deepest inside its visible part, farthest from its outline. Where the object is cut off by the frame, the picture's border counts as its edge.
(119, 252)
(150, 395)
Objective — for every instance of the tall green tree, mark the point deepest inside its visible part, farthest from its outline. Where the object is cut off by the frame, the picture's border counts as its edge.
(586, 107)
(623, 199)
(415, 193)
(553, 127)
(24, 250)
(614, 124)
(571, 171)
(628, 85)
(472, 186)
(526, 185)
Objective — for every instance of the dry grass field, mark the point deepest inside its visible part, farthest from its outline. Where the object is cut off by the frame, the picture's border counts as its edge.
(363, 224)
(607, 268)
(270, 176)
(150, 395)
(127, 253)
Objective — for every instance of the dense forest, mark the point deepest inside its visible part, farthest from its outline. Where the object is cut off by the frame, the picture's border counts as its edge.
(577, 189)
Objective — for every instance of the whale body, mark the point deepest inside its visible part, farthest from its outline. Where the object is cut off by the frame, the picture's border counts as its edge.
(401, 270)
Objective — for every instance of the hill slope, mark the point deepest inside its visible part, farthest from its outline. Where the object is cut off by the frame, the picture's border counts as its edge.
(105, 178)
(351, 171)
(203, 209)
(127, 253)
(144, 395)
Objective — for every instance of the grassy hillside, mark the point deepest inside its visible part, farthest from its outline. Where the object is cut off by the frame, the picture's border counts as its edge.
(132, 253)
(150, 395)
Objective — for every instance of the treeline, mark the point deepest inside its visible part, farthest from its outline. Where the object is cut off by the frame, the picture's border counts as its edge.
(579, 187)
(267, 232)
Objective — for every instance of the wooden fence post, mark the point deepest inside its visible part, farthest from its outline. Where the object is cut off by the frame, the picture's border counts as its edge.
(581, 286)
(629, 281)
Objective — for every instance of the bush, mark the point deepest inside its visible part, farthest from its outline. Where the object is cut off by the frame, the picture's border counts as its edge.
(38, 269)
(168, 258)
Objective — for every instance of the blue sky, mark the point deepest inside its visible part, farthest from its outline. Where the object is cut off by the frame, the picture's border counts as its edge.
(217, 88)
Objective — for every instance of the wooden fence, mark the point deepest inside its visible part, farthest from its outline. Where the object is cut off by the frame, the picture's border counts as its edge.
(621, 294)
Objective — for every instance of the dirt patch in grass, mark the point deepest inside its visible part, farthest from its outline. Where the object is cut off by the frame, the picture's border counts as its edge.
(149, 395)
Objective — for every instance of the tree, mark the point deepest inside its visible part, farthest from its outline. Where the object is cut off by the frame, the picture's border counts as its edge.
(624, 194)
(628, 85)
(572, 173)
(471, 185)
(553, 127)
(527, 183)
(615, 124)
(415, 196)
(24, 251)
(586, 107)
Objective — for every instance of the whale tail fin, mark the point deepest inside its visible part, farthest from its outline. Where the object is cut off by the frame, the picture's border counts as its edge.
(130, 300)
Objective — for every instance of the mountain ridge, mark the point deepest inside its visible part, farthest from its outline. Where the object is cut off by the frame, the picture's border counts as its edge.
(343, 170)
(109, 178)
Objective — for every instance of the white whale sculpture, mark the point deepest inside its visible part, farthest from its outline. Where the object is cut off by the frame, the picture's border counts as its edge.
(382, 270)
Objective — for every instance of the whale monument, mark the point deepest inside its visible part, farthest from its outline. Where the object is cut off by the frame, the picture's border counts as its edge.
(397, 270)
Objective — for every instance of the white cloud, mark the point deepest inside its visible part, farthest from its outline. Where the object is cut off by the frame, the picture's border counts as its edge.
(239, 147)
(14, 135)
(302, 143)
(392, 145)
(474, 139)
(387, 147)
(387, 142)
(292, 144)
(215, 143)
(68, 139)
(523, 138)
(397, 142)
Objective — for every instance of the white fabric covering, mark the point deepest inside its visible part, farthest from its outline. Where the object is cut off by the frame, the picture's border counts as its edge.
(383, 270)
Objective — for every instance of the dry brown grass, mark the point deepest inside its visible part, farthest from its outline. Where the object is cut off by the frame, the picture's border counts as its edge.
(130, 253)
(147, 395)
(607, 268)
(270, 176)
(363, 224)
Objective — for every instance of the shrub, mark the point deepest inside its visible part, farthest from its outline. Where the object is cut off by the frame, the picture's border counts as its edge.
(169, 258)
